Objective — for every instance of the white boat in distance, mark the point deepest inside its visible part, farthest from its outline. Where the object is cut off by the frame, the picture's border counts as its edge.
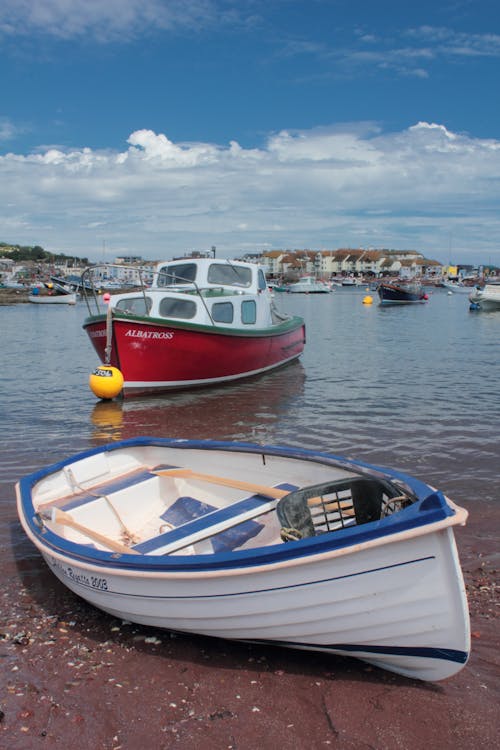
(266, 544)
(309, 285)
(457, 287)
(349, 281)
(487, 298)
(55, 299)
(52, 293)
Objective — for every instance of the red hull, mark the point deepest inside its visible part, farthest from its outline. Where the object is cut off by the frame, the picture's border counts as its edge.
(155, 357)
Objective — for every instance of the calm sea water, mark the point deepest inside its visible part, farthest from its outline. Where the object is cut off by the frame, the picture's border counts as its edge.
(414, 387)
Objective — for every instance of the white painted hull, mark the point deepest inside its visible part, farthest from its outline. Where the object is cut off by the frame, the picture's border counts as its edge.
(399, 596)
(457, 288)
(56, 299)
(488, 298)
(308, 289)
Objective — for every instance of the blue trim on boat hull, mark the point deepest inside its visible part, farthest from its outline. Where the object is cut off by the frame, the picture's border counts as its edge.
(288, 586)
(429, 507)
(445, 654)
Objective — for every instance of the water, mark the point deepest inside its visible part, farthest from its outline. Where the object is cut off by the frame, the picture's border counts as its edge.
(413, 387)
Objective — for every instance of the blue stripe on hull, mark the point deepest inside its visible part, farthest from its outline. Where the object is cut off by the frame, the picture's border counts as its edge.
(288, 586)
(430, 507)
(446, 654)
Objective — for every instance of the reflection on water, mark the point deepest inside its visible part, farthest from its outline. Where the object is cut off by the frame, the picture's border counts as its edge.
(251, 410)
(413, 387)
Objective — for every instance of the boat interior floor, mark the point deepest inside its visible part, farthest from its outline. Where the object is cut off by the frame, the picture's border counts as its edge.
(183, 512)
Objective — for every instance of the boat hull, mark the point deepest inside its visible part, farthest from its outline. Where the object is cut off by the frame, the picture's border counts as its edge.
(400, 594)
(56, 299)
(156, 356)
(457, 288)
(395, 295)
(304, 289)
(394, 598)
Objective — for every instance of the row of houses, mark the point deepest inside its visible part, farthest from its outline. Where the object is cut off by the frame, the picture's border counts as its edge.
(348, 262)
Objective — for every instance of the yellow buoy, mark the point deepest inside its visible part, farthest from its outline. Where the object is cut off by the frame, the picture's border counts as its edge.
(106, 382)
(367, 300)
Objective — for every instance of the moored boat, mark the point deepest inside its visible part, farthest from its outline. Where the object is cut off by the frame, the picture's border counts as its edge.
(309, 285)
(349, 281)
(457, 287)
(400, 293)
(52, 293)
(201, 322)
(267, 544)
(486, 298)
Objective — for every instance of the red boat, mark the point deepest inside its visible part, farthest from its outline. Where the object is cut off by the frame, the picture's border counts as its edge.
(202, 322)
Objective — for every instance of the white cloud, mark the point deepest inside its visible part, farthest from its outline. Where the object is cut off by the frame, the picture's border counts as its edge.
(449, 42)
(351, 185)
(112, 19)
(8, 130)
(406, 52)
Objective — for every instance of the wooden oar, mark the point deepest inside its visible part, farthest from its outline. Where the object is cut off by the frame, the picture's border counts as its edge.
(238, 484)
(65, 519)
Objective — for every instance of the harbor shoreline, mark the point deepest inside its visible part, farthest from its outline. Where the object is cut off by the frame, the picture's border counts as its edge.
(13, 296)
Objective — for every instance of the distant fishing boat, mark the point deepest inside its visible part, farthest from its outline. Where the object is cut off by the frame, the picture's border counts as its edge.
(309, 285)
(457, 287)
(349, 281)
(52, 293)
(398, 293)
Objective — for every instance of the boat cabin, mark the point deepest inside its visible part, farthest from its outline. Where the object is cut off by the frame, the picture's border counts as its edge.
(205, 292)
(209, 273)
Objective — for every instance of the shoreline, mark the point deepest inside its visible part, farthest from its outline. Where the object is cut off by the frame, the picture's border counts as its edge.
(13, 296)
(68, 668)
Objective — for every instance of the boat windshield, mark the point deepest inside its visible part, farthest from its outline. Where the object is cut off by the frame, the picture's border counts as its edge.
(176, 274)
(229, 275)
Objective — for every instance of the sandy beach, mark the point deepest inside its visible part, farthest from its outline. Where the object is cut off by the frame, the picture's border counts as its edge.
(71, 671)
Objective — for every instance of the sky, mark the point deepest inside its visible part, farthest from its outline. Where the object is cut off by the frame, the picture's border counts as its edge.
(159, 127)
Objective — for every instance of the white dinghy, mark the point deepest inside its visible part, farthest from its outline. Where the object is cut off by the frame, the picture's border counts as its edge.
(258, 543)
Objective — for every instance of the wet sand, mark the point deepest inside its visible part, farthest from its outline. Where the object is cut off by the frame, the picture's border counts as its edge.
(71, 675)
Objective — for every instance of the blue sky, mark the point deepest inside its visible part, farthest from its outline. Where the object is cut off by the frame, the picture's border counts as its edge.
(156, 127)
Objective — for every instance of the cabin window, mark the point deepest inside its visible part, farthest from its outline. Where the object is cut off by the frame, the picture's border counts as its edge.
(262, 280)
(229, 275)
(222, 312)
(180, 273)
(248, 312)
(171, 307)
(134, 305)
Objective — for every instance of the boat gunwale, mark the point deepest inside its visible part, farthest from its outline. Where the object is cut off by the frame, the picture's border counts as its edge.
(391, 529)
(280, 328)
